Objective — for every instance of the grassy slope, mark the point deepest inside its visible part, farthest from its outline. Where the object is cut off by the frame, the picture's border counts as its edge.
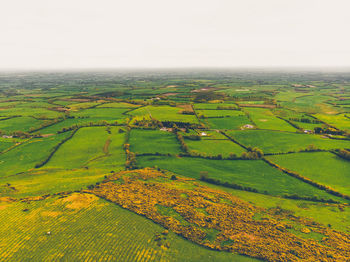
(265, 119)
(28, 154)
(252, 173)
(213, 147)
(86, 146)
(152, 141)
(281, 142)
(322, 167)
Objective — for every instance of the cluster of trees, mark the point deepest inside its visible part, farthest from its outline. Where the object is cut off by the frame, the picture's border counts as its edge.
(75, 126)
(180, 138)
(311, 198)
(305, 120)
(252, 154)
(193, 137)
(148, 124)
(218, 182)
(232, 156)
(187, 112)
(179, 124)
(328, 130)
(343, 153)
(21, 134)
(311, 148)
(130, 162)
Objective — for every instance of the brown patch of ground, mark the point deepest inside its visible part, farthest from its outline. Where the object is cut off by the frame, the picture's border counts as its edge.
(47, 135)
(59, 109)
(79, 201)
(168, 94)
(257, 105)
(186, 107)
(204, 89)
(7, 199)
(106, 146)
(76, 99)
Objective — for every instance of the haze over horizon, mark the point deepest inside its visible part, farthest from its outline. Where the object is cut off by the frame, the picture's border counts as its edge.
(48, 35)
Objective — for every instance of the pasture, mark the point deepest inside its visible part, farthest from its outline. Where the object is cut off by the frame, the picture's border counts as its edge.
(153, 141)
(282, 142)
(322, 167)
(248, 173)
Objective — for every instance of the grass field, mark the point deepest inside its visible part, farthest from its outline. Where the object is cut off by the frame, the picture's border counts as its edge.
(265, 119)
(282, 142)
(214, 147)
(19, 124)
(199, 106)
(250, 173)
(323, 167)
(102, 113)
(339, 121)
(153, 141)
(228, 122)
(164, 113)
(87, 147)
(22, 157)
(219, 113)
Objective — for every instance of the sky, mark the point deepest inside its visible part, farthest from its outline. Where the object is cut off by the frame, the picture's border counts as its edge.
(73, 34)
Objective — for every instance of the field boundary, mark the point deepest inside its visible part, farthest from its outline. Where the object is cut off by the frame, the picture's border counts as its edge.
(45, 161)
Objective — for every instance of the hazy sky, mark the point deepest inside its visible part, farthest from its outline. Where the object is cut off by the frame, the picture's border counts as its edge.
(49, 34)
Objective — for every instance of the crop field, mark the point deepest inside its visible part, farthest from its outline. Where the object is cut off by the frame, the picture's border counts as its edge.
(84, 218)
(205, 166)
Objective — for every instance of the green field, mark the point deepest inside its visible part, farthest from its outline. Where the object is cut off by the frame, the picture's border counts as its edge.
(29, 153)
(264, 119)
(229, 122)
(153, 141)
(282, 142)
(19, 124)
(88, 147)
(323, 167)
(214, 147)
(250, 173)
(164, 113)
